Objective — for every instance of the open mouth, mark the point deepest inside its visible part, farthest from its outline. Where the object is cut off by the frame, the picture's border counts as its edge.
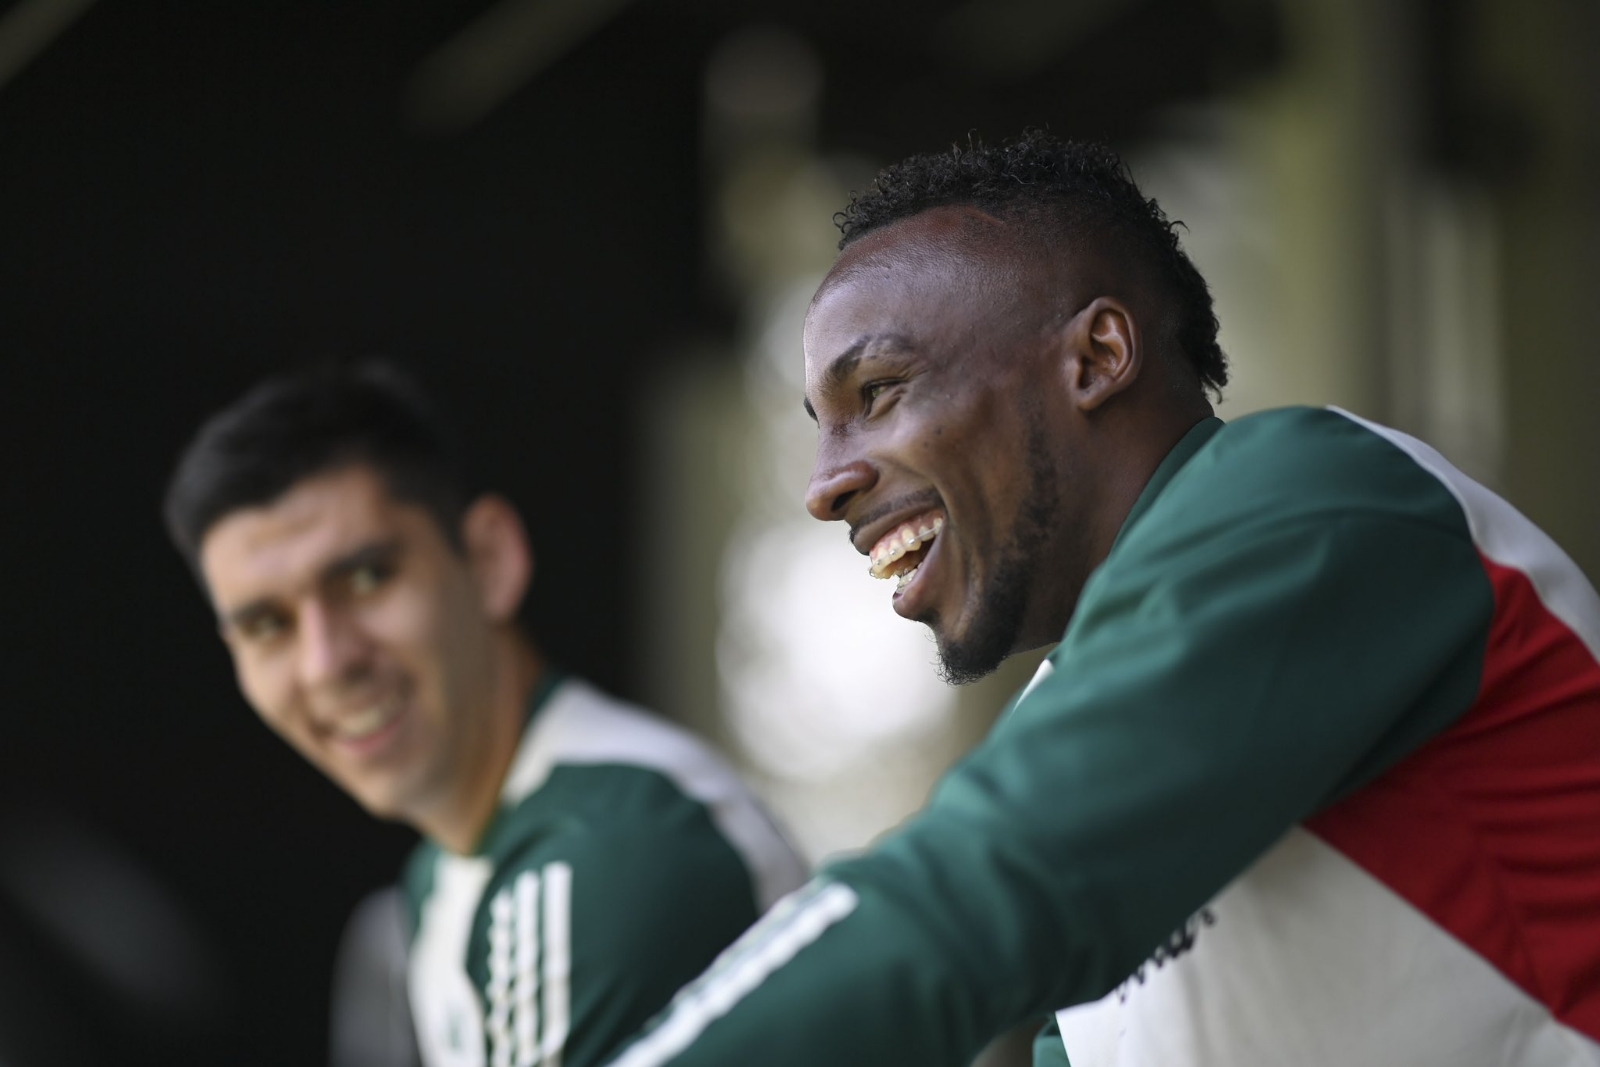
(365, 729)
(363, 724)
(900, 552)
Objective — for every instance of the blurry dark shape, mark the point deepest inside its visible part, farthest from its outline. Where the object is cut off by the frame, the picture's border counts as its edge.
(371, 1016)
(494, 55)
(1018, 38)
(29, 27)
(1100, 69)
(1472, 126)
(110, 916)
(1251, 43)
(98, 962)
(763, 74)
(44, 1021)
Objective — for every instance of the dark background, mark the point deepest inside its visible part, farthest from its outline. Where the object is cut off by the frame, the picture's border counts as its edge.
(195, 194)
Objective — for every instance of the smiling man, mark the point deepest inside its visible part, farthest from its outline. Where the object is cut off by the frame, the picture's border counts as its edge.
(582, 858)
(1313, 774)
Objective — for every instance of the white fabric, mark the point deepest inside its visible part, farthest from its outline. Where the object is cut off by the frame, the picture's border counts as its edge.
(1312, 962)
(446, 1006)
(581, 725)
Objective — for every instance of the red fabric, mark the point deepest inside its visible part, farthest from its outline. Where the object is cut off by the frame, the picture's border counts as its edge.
(1492, 829)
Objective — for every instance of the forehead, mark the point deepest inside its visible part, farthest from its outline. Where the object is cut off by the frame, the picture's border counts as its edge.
(277, 547)
(916, 282)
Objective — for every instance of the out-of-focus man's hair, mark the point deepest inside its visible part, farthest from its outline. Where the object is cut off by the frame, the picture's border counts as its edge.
(298, 425)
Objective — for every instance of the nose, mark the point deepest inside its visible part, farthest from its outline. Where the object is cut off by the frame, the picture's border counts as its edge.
(834, 486)
(331, 645)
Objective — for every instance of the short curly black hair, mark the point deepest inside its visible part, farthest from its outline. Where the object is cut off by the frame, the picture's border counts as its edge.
(1085, 188)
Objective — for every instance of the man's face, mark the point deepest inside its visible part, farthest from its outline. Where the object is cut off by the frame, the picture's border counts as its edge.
(934, 369)
(359, 635)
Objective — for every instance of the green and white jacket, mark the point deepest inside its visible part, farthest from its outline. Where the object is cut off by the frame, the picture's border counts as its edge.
(624, 857)
(1312, 779)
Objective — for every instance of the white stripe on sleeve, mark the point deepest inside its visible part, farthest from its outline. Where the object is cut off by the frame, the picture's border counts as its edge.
(764, 948)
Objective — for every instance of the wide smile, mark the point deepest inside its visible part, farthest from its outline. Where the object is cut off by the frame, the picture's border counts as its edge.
(902, 551)
(364, 732)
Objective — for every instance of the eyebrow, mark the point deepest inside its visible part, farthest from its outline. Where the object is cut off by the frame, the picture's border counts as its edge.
(846, 363)
(365, 556)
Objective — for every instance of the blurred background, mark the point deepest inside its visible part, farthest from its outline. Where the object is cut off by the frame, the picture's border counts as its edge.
(591, 227)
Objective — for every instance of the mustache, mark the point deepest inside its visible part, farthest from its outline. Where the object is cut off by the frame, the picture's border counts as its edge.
(918, 501)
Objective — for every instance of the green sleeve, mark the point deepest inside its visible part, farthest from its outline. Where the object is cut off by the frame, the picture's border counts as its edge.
(1048, 1051)
(1225, 677)
(645, 910)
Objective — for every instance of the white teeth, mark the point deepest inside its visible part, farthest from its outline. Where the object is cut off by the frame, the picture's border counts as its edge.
(897, 543)
(904, 578)
(365, 723)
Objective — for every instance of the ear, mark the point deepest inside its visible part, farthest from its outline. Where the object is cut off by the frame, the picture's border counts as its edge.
(498, 555)
(1106, 353)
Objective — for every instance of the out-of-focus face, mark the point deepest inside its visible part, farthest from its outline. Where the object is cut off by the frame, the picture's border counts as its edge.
(361, 636)
(946, 438)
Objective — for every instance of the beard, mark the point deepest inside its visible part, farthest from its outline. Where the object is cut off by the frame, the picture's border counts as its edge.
(1004, 598)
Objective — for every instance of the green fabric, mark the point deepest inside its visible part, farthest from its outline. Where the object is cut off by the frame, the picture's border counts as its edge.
(657, 891)
(1048, 1051)
(1287, 613)
(1192, 442)
(416, 878)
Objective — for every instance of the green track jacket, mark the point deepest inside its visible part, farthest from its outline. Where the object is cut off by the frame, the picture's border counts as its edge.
(1313, 778)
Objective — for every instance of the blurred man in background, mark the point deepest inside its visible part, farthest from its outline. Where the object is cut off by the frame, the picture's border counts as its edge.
(582, 858)
(1313, 775)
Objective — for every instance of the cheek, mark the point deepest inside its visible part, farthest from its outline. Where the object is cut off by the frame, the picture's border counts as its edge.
(267, 686)
(416, 630)
(415, 624)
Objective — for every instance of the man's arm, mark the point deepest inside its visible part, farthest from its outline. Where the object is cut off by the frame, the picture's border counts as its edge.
(1214, 691)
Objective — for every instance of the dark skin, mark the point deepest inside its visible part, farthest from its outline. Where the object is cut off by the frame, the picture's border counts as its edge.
(961, 367)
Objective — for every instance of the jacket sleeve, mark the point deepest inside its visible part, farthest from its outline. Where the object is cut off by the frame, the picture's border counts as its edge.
(1212, 691)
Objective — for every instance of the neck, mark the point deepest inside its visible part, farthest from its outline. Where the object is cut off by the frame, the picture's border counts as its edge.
(1144, 451)
(459, 823)
(1129, 459)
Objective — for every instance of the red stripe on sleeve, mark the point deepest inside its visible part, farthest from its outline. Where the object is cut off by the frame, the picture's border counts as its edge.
(1492, 829)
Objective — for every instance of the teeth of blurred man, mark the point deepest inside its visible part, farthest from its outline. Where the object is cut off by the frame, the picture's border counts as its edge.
(365, 723)
(908, 537)
(903, 579)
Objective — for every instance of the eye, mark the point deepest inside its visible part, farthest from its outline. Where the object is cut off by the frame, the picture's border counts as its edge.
(263, 627)
(368, 577)
(872, 391)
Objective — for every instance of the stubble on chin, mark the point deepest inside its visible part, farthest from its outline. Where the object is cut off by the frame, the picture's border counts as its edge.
(1003, 600)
